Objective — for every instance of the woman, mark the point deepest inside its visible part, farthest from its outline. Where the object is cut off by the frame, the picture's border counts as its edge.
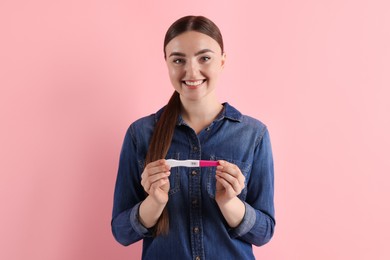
(195, 213)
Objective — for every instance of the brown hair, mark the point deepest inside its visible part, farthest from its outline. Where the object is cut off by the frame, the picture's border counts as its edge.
(165, 127)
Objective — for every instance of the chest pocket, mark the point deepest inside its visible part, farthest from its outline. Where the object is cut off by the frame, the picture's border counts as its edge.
(174, 178)
(211, 181)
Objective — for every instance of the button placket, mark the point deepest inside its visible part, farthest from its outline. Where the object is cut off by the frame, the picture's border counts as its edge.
(195, 200)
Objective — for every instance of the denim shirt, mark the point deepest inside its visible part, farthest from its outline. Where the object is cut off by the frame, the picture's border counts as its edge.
(197, 227)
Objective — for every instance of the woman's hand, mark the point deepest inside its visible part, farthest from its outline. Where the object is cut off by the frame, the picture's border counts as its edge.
(230, 182)
(155, 181)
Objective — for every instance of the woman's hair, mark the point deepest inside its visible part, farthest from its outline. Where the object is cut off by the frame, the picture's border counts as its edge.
(165, 126)
(193, 23)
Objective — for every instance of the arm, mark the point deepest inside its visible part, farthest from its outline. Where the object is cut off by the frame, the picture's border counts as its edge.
(257, 226)
(128, 194)
(252, 220)
(132, 213)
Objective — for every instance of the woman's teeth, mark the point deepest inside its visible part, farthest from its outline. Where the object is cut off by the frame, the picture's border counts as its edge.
(193, 83)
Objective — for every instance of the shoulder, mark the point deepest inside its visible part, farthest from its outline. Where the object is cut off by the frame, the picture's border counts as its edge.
(143, 127)
(253, 122)
(143, 122)
(247, 126)
(258, 128)
(246, 121)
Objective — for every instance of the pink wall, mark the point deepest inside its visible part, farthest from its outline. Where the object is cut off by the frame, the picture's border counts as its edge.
(74, 74)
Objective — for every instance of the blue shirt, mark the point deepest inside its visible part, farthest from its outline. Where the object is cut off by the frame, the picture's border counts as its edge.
(197, 228)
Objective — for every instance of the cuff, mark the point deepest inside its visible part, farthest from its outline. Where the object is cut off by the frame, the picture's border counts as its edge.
(246, 224)
(136, 224)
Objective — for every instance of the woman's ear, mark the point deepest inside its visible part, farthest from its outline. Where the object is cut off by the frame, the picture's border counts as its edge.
(223, 60)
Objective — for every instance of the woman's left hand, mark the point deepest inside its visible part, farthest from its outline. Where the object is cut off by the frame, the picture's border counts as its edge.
(230, 181)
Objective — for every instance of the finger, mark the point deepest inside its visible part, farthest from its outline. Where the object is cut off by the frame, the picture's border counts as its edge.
(158, 184)
(162, 167)
(145, 185)
(233, 181)
(233, 170)
(237, 183)
(157, 170)
(230, 168)
(227, 187)
(224, 163)
(147, 180)
(156, 177)
(148, 170)
(155, 163)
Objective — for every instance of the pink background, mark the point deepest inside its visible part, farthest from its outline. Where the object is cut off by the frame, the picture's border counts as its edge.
(74, 74)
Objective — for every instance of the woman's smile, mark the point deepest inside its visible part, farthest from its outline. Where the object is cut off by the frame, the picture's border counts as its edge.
(194, 84)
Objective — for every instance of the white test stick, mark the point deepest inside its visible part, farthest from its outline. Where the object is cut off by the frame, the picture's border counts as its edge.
(191, 163)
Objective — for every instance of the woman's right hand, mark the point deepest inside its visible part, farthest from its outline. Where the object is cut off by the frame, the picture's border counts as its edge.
(155, 180)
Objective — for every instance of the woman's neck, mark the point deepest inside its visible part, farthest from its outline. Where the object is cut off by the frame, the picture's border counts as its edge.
(201, 113)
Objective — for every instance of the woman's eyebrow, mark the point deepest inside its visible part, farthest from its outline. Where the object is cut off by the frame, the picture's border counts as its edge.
(203, 51)
(196, 54)
(177, 54)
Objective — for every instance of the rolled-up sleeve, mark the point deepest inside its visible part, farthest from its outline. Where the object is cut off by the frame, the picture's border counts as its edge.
(128, 195)
(257, 226)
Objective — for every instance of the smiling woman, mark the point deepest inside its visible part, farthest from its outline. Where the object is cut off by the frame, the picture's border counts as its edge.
(229, 201)
(194, 62)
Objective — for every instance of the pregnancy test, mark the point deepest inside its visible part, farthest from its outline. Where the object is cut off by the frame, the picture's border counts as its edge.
(191, 163)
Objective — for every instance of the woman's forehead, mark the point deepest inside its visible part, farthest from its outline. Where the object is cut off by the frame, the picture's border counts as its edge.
(192, 41)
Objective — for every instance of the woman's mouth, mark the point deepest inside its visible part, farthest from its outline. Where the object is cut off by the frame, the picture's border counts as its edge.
(193, 83)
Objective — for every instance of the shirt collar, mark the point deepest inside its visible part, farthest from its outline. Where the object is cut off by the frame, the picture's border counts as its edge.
(228, 112)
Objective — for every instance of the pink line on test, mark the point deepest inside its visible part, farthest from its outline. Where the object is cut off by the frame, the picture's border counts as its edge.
(203, 163)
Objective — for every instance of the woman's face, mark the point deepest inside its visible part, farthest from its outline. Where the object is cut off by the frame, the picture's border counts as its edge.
(194, 62)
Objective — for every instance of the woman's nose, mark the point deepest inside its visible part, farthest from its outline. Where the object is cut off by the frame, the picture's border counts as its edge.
(192, 68)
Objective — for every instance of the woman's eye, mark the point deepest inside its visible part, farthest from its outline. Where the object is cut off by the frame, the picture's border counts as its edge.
(205, 58)
(178, 61)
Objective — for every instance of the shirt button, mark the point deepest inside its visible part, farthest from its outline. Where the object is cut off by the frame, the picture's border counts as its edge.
(195, 148)
(194, 202)
(196, 230)
(194, 172)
